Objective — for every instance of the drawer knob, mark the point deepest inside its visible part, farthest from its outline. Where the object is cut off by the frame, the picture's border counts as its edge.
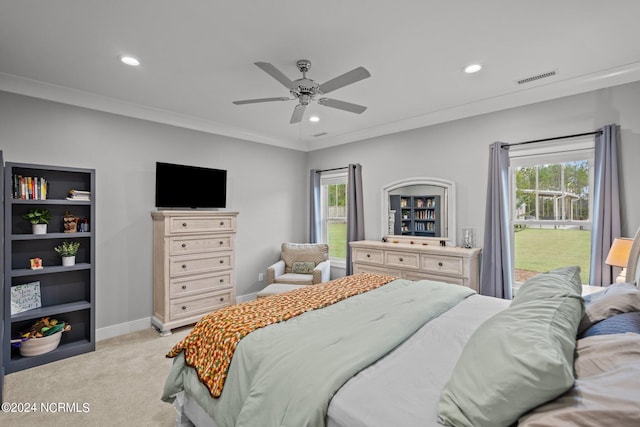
(221, 299)
(440, 264)
(184, 307)
(368, 255)
(184, 286)
(221, 242)
(221, 222)
(184, 224)
(221, 280)
(221, 261)
(400, 259)
(184, 265)
(184, 245)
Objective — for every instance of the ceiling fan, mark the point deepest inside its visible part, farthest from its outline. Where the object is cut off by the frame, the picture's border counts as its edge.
(305, 90)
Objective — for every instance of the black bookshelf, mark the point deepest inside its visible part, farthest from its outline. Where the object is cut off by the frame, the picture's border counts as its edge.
(67, 293)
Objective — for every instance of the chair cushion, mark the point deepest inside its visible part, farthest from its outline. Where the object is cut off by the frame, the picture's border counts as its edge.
(295, 279)
(307, 252)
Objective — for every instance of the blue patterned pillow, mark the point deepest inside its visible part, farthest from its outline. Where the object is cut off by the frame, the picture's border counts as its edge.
(618, 324)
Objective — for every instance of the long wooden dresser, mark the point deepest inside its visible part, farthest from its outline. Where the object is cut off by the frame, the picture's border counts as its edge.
(418, 261)
(193, 265)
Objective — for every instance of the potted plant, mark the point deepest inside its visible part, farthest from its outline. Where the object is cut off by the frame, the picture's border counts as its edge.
(39, 218)
(67, 250)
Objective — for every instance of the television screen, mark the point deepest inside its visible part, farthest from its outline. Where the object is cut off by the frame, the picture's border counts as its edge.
(180, 186)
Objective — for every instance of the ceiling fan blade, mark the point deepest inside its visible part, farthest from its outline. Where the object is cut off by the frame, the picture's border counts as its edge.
(342, 105)
(253, 101)
(345, 79)
(298, 112)
(276, 74)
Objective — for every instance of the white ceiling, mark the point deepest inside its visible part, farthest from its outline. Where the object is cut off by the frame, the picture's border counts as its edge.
(197, 57)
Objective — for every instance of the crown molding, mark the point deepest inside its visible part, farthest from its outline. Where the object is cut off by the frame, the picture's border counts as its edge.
(520, 96)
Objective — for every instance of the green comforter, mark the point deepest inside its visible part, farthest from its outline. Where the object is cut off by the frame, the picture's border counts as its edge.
(286, 374)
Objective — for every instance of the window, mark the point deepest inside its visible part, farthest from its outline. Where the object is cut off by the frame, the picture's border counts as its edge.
(334, 215)
(551, 206)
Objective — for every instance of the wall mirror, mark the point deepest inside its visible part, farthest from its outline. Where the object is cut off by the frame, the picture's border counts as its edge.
(420, 208)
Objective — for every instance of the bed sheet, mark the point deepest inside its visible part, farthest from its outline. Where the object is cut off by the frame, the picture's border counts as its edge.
(404, 387)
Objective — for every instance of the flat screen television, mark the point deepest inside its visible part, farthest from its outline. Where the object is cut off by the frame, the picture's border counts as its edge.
(181, 186)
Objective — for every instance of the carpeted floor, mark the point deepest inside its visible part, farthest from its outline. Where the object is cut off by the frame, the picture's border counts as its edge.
(117, 385)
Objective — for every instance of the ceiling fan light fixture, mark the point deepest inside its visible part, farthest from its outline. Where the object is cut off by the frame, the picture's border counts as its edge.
(314, 118)
(129, 60)
(472, 68)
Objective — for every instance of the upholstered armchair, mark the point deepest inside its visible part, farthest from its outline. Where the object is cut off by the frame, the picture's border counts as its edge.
(301, 264)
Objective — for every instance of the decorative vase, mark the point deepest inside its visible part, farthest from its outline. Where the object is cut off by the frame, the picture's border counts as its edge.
(39, 228)
(68, 260)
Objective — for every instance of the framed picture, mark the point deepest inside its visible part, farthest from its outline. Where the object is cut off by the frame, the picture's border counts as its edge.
(25, 297)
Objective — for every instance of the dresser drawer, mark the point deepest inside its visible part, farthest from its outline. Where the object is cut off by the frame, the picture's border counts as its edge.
(185, 307)
(191, 285)
(199, 263)
(402, 259)
(442, 264)
(204, 224)
(374, 269)
(418, 275)
(188, 245)
(368, 255)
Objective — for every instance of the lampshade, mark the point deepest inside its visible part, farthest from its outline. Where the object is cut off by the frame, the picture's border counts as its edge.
(619, 252)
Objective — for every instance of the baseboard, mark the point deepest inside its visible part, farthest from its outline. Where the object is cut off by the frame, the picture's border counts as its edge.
(144, 323)
(122, 328)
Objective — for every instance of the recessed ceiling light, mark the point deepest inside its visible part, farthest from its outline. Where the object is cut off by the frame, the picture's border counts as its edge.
(473, 68)
(130, 60)
(314, 119)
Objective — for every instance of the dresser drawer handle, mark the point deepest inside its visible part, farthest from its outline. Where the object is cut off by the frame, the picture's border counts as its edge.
(184, 307)
(184, 224)
(184, 245)
(221, 242)
(221, 222)
(221, 280)
(440, 264)
(184, 265)
(400, 259)
(221, 299)
(184, 286)
(368, 255)
(221, 261)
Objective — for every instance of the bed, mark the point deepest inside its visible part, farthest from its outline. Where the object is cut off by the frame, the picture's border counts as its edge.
(380, 351)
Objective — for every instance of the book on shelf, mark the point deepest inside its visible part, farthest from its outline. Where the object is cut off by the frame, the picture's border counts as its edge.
(29, 187)
(79, 195)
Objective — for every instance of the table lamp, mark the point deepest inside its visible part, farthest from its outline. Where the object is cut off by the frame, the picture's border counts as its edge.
(619, 256)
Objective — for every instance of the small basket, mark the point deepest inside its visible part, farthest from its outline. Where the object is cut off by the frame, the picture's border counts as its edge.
(42, 345)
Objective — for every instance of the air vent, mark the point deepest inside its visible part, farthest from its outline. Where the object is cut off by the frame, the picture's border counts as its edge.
(320, 134)
(537, 77)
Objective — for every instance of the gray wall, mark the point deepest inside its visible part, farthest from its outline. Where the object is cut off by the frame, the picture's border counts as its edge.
(268, 185)
(459, 150)
(264, 185)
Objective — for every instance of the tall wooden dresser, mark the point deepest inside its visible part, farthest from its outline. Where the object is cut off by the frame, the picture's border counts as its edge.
(193, 265)
(417, 261)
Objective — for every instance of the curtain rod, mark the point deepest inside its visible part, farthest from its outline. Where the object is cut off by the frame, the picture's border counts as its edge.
(334, 169)
(598, 132)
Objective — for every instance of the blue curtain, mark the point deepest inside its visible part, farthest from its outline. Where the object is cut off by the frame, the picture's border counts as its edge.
(315, 215)
(497, 261)
(606, 205)
(355, 209)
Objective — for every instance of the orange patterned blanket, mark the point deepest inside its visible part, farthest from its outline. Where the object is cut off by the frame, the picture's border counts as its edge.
(209, 347)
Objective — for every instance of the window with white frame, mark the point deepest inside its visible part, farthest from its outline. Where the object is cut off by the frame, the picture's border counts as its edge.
(551, 203)
(334, 215)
